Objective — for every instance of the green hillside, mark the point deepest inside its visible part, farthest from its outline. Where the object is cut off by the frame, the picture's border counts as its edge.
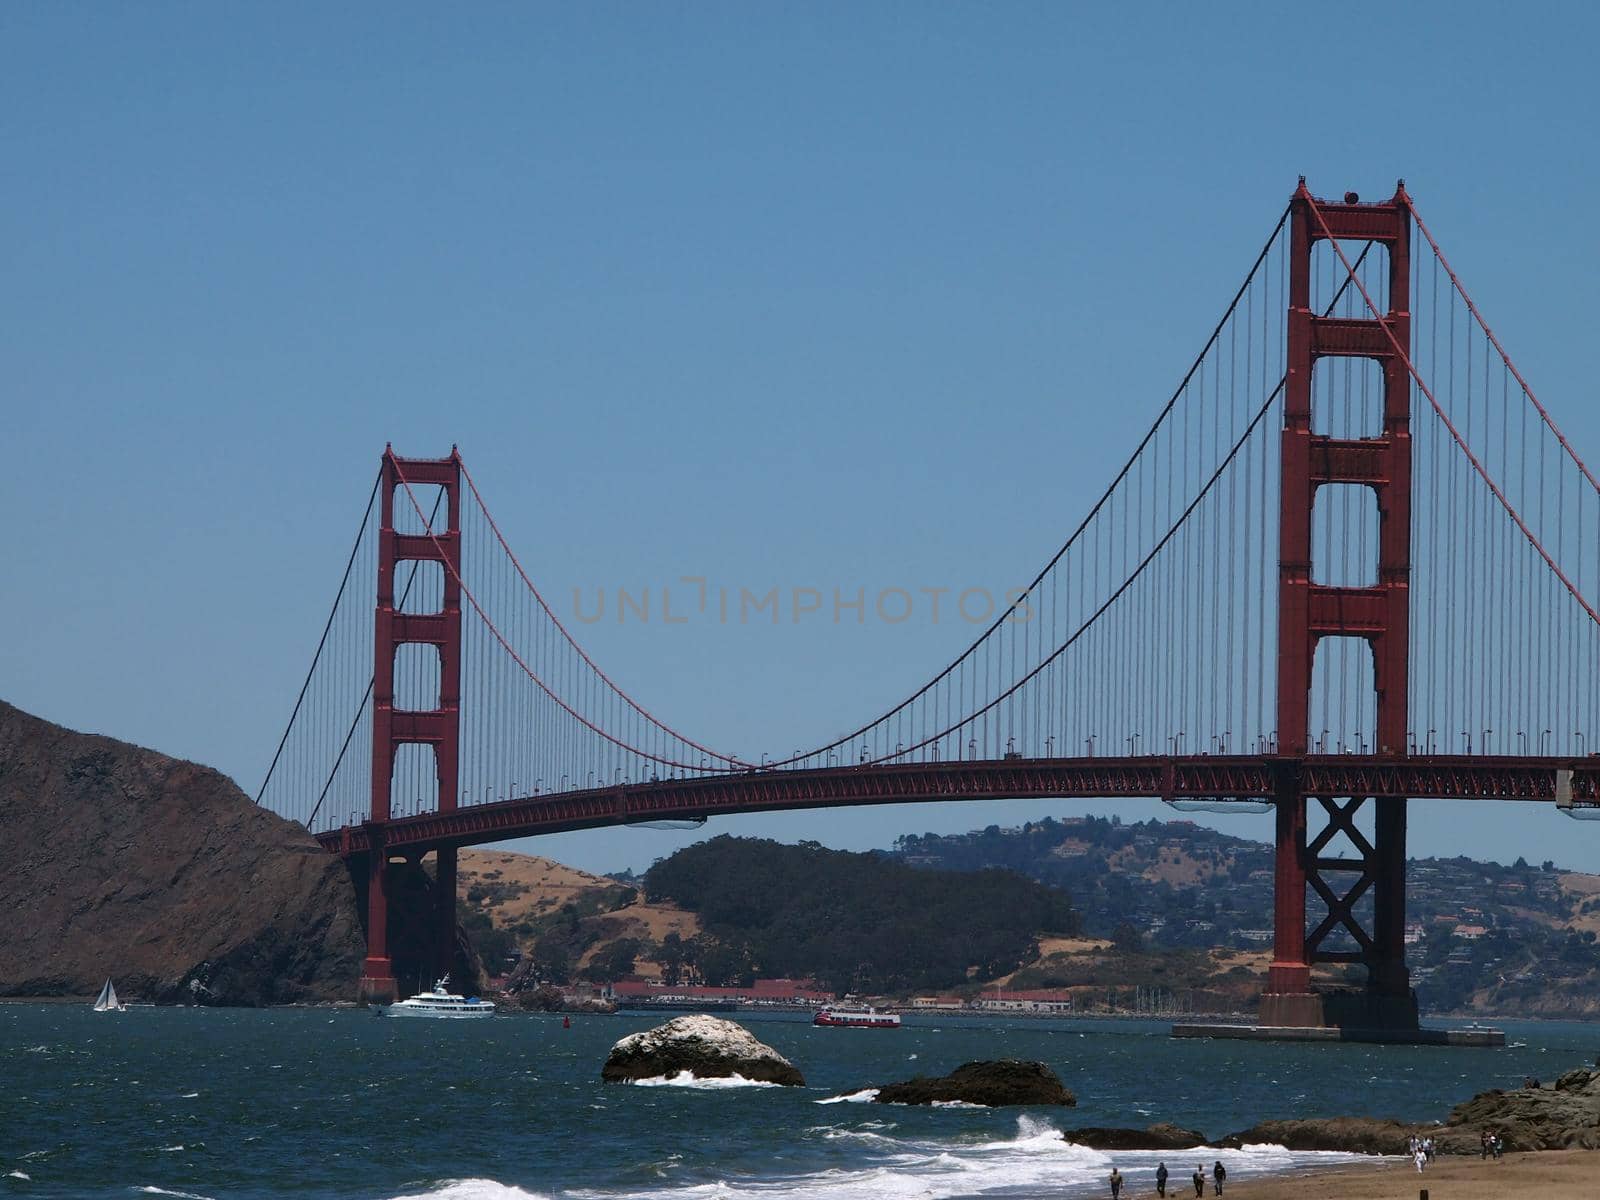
(856, 922)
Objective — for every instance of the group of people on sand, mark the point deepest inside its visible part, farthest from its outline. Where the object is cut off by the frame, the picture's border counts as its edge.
(1421, 1150)
(1219, 1176)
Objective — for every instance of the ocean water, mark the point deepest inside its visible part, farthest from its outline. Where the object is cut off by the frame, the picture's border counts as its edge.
(337, 1104)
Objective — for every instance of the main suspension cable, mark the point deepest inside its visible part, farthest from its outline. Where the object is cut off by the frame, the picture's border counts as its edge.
(1099, 504)
(509, 649)
(322, 642)
(573, 642)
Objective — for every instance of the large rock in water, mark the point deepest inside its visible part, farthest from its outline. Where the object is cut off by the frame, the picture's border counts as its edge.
(706, 1047)
(1353, 1135)
(1008, 1081)
(118, 861)
(1154, 1137)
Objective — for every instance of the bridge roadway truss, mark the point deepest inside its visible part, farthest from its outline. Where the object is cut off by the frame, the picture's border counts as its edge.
(1574, 782)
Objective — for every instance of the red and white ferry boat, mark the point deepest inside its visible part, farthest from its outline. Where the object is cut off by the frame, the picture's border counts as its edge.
(857, 1018)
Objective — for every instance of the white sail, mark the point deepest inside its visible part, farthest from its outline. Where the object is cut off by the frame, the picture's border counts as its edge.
(107, 1000)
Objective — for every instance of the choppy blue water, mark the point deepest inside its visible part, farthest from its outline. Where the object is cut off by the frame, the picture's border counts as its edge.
(338, 1105)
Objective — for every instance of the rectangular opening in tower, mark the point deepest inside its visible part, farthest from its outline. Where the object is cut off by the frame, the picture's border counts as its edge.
(414, 787)
(1331, 289)
(416, 677)
(1344, 536)
(431, 500)
(1347, 397)
(1343, 700)
(418, 587)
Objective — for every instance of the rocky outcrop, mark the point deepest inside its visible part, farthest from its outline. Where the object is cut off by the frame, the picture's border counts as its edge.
(1353, 1135)
(706, 1047)
(1554, 1116)
(1154, 1137)
(119, 861)
(993, 1084)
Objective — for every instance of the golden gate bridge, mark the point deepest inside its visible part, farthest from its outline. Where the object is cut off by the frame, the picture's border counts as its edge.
(1352, 562)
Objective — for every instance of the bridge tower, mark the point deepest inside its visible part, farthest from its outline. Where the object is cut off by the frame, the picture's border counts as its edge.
(438, 727)
(1310, 612)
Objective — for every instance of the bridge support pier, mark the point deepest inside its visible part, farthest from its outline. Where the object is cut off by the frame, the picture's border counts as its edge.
(444, 910)
(377, 984)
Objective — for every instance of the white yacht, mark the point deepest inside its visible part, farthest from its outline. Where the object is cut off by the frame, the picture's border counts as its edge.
(440, 1002)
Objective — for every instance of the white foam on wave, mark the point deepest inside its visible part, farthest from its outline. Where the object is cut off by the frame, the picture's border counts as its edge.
(861, 1135)
(1036, 1160)
(151, 1190)
(864, 1096)
(1038, 1136)
(18, 1175)
(916, 1169)
(474, 1189)
(688, 1079)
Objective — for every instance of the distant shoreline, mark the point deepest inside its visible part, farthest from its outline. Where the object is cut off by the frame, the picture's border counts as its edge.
(748, 1009)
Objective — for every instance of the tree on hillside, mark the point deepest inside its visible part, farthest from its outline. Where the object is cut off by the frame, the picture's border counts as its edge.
(613, 962)
(1127, 939)
(671, 955)
(552, 961)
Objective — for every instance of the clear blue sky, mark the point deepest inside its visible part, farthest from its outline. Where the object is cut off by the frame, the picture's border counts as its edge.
(827, 294)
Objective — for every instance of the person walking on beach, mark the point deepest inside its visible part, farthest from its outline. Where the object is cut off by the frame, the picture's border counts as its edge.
(1421, 1159)
(1161, 1179)
(1483, 1141)
(1116, 1184)
(1199, 1180)
(1219, 1173)
(1427, 1148)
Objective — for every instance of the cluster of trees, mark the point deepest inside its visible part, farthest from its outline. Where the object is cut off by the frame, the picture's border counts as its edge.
(854, 922)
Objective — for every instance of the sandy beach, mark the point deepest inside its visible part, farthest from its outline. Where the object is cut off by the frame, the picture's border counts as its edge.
(1549, 1174)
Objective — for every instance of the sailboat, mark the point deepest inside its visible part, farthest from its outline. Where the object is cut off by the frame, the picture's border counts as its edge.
(107, 1001)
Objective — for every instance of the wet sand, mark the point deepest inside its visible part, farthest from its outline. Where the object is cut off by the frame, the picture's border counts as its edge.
(1549, 1175)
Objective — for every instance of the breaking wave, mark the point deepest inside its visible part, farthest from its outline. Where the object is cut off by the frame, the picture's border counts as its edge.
(864, 1096)
(688, 1079)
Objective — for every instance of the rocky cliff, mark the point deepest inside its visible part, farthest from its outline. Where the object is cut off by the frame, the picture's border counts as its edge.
(119, 861)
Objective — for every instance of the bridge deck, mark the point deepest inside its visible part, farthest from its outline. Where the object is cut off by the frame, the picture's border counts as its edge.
(1198, 777)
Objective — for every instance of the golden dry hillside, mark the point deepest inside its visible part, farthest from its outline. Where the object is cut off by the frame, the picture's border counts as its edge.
(525, 895)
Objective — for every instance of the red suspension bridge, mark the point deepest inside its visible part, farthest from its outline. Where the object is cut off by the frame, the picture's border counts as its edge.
(1352, 562)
